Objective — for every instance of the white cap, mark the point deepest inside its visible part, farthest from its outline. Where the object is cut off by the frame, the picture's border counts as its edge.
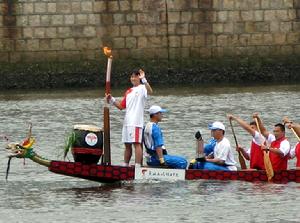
(155, 109)
(216, 125)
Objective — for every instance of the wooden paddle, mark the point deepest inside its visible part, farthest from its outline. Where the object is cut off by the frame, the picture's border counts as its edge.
(293, 130)
(267, 161)
(241, 157)
(106, 152)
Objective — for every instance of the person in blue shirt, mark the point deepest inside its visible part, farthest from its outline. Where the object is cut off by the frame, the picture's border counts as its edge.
(154, 143)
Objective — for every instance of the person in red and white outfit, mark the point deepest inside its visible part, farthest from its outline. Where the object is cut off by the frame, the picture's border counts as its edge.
(295, 151)
(134, 102)
(254, 154)
(279, 148)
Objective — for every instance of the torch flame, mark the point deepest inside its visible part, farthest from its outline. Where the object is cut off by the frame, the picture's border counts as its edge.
(107, 51)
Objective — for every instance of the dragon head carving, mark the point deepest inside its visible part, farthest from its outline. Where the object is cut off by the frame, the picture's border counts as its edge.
(23, 150)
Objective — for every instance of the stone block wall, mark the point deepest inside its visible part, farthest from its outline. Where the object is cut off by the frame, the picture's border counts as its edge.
(70, 30)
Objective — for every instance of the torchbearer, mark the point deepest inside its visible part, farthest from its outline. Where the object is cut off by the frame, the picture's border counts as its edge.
(134, 102)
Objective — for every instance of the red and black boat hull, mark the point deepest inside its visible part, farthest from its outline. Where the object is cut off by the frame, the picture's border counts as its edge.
(111, 173)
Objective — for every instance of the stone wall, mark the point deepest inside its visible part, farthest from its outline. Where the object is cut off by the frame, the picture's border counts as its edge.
(35, 31)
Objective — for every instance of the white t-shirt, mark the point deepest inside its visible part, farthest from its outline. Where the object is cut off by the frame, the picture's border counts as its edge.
(284, 145)
(223, 151)
(258, 139)
(134, 102)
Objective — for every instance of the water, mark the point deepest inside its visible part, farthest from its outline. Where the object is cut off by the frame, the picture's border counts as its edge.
(33, 194)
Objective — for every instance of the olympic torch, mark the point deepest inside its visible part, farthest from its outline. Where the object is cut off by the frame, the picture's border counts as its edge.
(106, 156)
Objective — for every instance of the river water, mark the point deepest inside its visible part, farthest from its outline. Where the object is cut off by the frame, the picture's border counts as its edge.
(33, 194)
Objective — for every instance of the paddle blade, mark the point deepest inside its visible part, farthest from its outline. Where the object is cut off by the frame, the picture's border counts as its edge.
(268, 166)
(242, 161)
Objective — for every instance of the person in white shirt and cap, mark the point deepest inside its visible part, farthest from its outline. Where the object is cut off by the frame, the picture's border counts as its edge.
(222, 158)
(154, 142)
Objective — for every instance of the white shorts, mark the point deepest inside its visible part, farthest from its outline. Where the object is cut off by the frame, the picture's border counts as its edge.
(132, 134)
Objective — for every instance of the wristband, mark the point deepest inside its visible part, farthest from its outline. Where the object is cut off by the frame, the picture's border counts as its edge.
(161, 160)
(144, 80)
(112, 100)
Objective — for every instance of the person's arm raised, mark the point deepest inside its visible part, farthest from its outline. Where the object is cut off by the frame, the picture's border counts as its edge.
(294, 127)
(260, 125)
(145, 82)
(242, 123)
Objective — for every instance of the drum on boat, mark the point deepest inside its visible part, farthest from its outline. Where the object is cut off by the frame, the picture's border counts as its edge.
(87, 147)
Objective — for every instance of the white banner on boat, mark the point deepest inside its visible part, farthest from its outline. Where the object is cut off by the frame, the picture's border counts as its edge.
(144, 173)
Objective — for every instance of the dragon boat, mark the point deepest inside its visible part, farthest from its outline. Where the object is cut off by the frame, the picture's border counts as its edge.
(90, 148)
(89, 163)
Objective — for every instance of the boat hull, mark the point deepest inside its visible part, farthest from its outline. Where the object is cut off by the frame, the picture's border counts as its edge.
(111, 173)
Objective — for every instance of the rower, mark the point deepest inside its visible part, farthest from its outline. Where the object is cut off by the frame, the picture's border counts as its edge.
(295, 151)
(222, 157)
(154, 143)
(279, 146)
(254, 154)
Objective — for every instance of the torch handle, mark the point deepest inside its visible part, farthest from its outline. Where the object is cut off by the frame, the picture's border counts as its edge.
(108, 75)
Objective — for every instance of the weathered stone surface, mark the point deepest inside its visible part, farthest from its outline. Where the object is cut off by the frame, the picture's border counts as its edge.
(81, 19)
(218, 27)
(64, 32)
(45, 44)
(228, 4)
(150, 29)
(130, 42)
(293, 38)
(131, 18)
(270, 15)
(186, 17)
(69, 44)
(28, 8)
(119, 19)
(268, 39)
(174, 41)
(51, 7)
(57, 20)
(28, 32)
(222, 16)
(69, 19)
(234, 16)
(279, 38)
(247, 15)
(187, 41)
(63, 7)
(39, 32)
(118, 43)
(40, 7)
(174, 17)
(113, 6)
(125, 30)
(124, 5)
(51, 32)
(76, 7)
(86, 6)
(45, 20)
(99, 6)
(142, 42)
(34, 20)
(262, 26)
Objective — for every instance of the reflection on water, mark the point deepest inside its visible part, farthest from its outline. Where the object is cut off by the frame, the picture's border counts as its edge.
(34, 194)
